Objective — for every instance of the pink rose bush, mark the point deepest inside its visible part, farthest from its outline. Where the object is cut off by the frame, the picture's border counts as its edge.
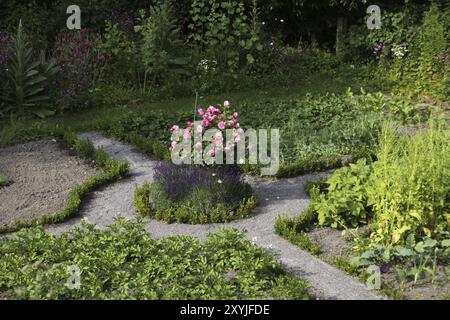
(212, 126)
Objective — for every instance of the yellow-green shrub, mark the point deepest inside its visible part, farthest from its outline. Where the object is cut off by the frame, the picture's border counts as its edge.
(408, 189)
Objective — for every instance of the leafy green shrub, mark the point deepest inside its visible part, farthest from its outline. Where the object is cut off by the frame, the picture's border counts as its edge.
(225, 33)
(411, 49)
(430, 70)
(122, 54)
(162, 52)
(402, 107)
(195, 195)
(26, 83)
(123, 262)
(345, 202)
(405, 190)
(321, 185)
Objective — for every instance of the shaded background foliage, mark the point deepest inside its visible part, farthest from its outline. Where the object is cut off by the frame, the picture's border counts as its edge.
(223, 45)
(303, 19)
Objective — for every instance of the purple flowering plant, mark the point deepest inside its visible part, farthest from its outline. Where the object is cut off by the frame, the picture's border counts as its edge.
(80, 64)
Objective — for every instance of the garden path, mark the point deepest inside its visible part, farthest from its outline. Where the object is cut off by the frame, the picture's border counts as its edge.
(277, 197)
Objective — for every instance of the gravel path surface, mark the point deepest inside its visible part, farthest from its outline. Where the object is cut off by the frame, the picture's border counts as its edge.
(277, 197)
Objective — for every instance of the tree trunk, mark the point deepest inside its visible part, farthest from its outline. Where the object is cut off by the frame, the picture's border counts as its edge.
(340, 32)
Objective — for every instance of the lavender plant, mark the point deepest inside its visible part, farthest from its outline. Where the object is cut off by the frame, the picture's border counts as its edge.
(195, 194)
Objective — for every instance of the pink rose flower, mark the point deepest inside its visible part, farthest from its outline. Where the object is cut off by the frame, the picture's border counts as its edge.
(200, 112)
(238, 125)
(226, 103)
(175, 129)
(187, 134)
(235, 115)
(221, 125)
(206, 123)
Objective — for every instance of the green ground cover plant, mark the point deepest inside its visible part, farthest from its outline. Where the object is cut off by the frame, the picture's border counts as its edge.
(123, 262)
(112, 171)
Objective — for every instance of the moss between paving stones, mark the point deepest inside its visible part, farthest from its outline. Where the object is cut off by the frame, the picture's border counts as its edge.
(112, 171)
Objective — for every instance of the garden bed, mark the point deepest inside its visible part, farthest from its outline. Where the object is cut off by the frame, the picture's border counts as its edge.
(336, 249)
(123, 262)
(386, 220)
(44, 173)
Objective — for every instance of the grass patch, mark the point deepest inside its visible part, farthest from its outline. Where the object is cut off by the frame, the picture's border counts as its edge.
(123, 262)
(304, 148)
(112, 171)
(317, 132)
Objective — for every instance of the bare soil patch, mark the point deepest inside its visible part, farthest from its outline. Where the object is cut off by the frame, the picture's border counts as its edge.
(42, 173)
(331, 242)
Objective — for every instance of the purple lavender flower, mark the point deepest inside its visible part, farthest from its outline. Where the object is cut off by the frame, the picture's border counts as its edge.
(385, 269)
(78, 58)
(178, 180)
